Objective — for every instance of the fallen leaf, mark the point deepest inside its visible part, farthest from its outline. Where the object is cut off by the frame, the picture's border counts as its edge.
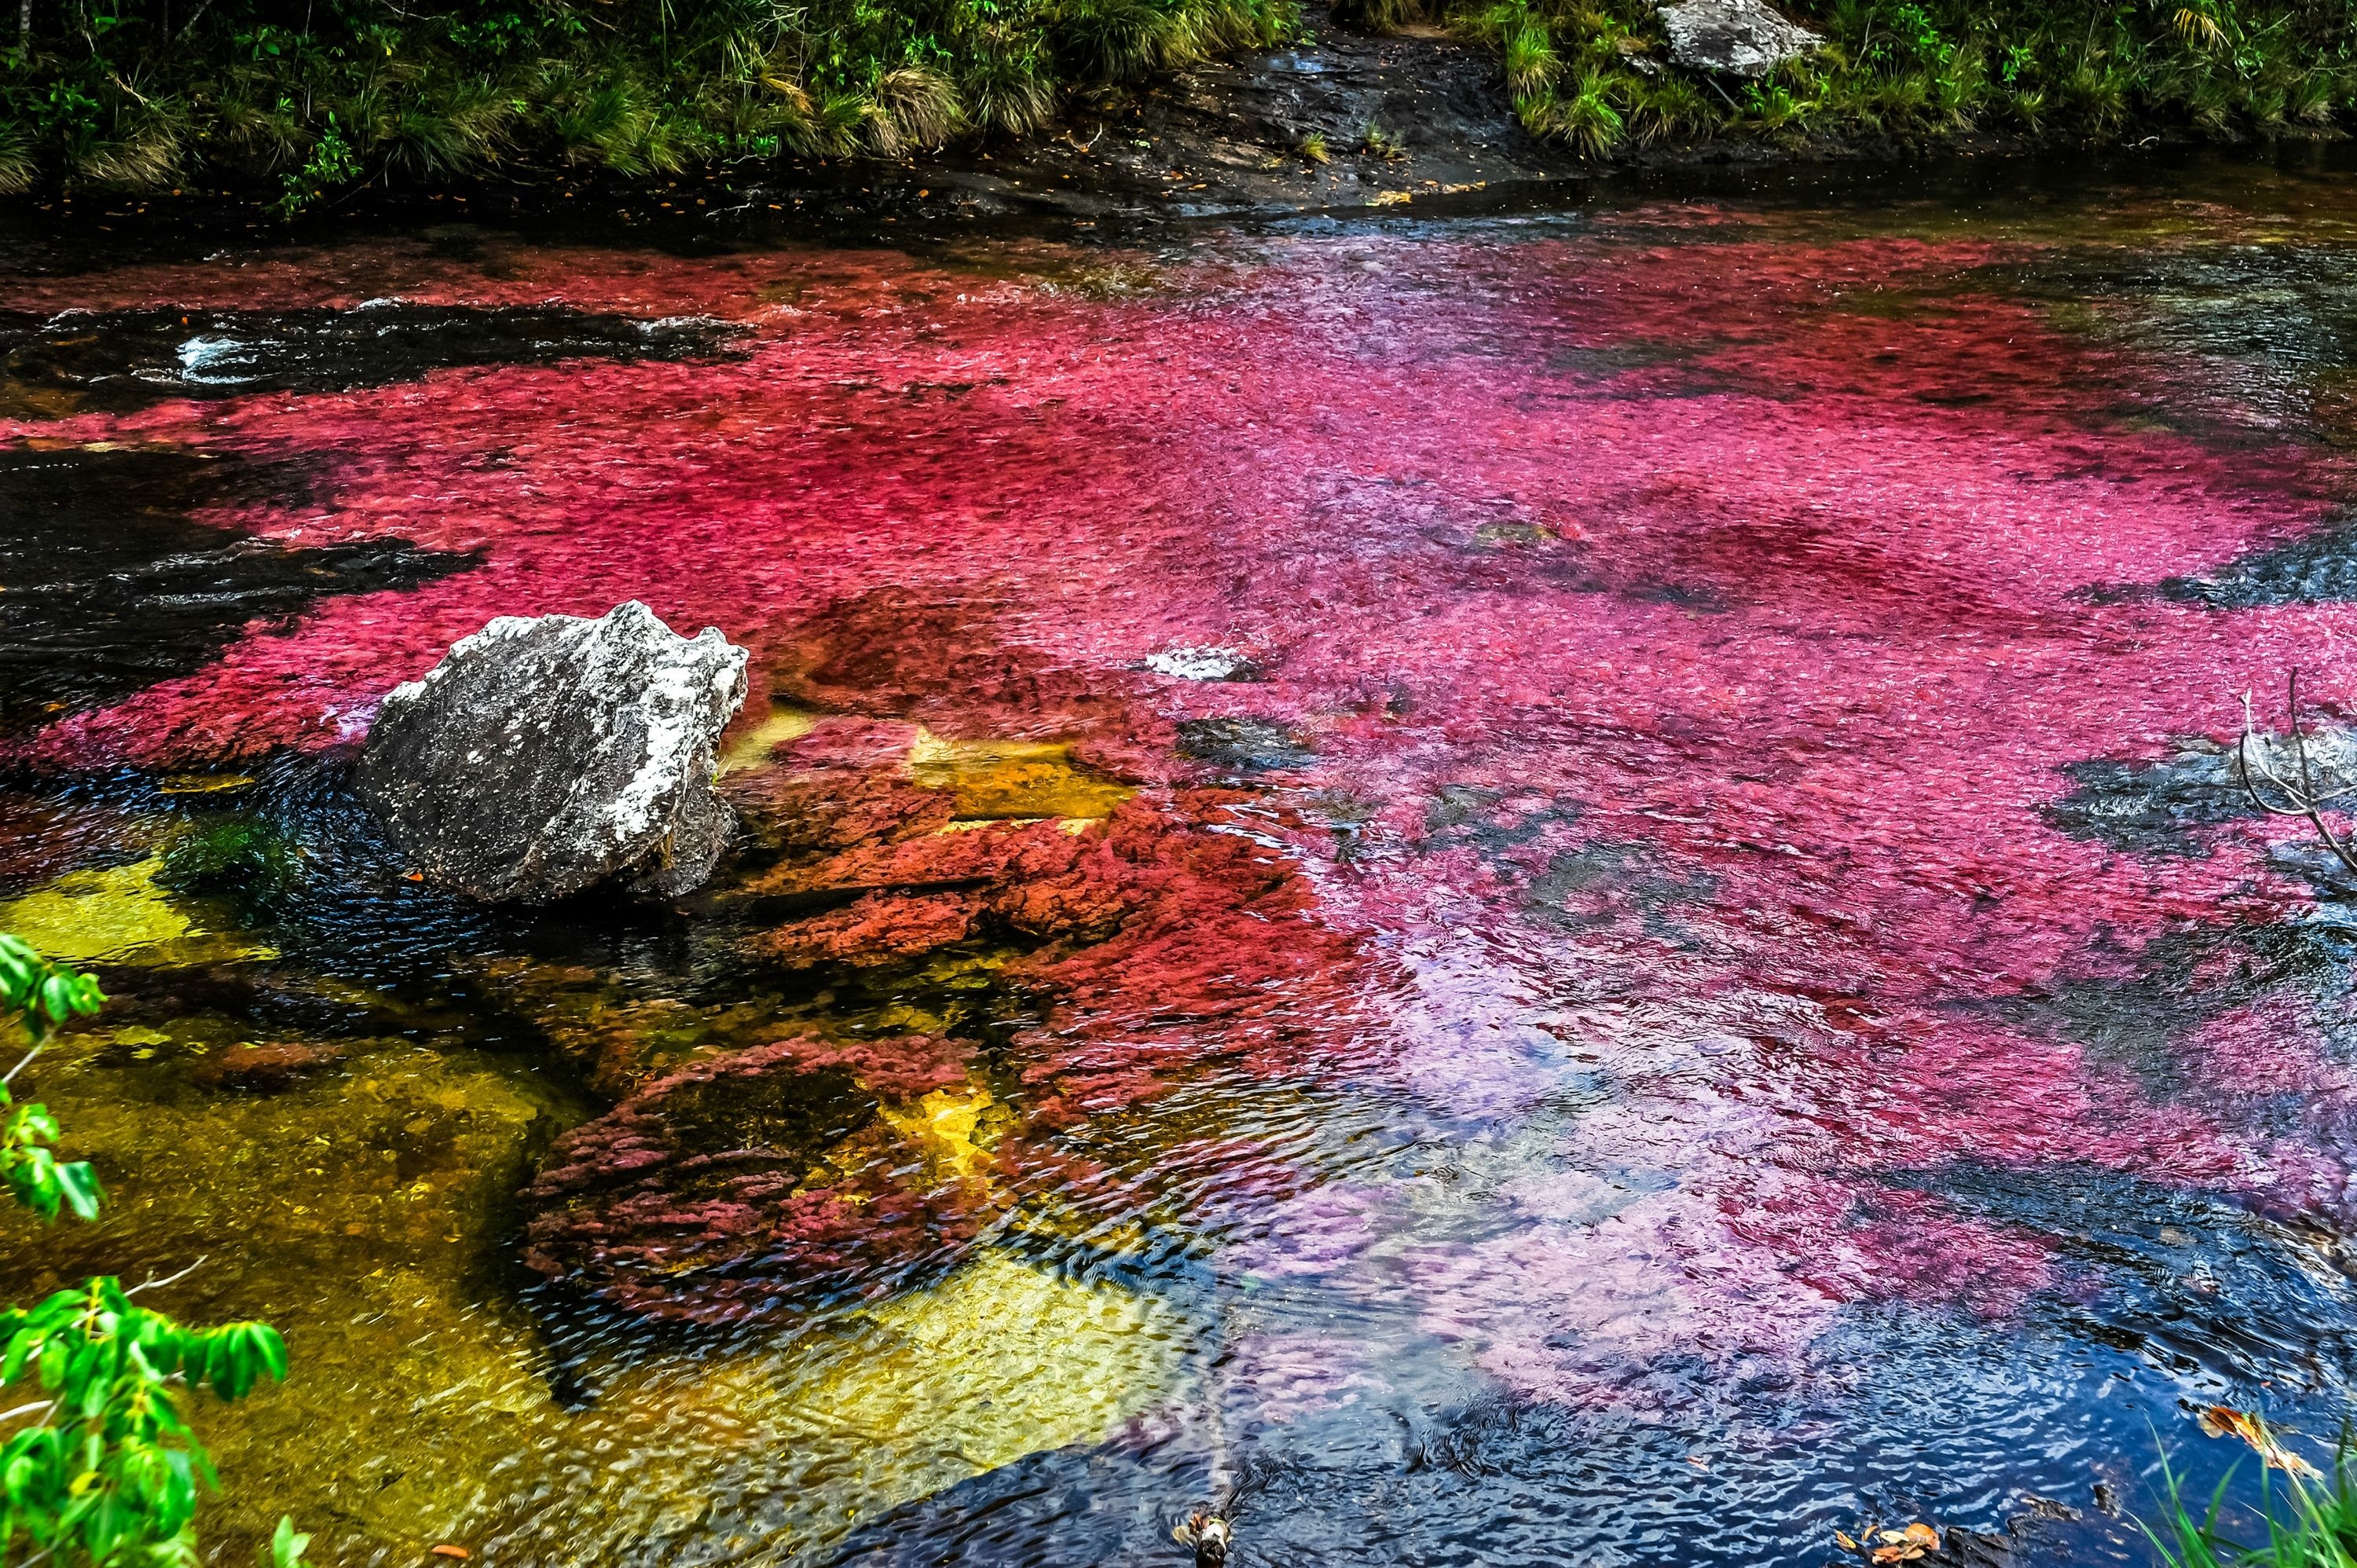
(456, 1553)
(1847, 1543)
(414, 876)
(1906, 1545)
(2224, 1421)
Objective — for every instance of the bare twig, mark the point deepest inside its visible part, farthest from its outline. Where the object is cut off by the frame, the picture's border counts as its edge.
(2303, 799)
(10, 1076)
(26, 1409)
(152, 1283)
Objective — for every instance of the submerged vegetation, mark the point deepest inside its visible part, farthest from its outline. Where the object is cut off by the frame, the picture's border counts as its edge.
(304, 100)
(103, 1469)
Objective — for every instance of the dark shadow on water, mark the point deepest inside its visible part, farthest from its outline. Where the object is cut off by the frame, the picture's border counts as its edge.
(114, 582)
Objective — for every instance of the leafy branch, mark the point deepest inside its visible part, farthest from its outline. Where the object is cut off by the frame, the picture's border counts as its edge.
(41, 997)
(108, 1473)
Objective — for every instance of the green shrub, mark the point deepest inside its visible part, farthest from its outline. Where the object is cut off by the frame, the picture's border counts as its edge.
(110, 1473)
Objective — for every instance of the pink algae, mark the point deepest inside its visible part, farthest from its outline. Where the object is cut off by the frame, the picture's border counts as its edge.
(1688, 651)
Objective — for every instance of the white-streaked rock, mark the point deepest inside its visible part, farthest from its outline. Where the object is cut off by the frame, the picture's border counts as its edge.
(546, 754)
(1734, 37)
(1202, 664)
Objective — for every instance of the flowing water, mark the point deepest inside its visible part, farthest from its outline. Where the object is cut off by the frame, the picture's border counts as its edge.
(1520, 886)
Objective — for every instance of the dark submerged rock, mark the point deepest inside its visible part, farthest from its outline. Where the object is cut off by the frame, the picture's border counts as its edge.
(2160, 806)
(114, 580)
(746, 1182)
(544, 756)
(1244, 744)
(271, 1067)
(1734, 37)
(124, 359)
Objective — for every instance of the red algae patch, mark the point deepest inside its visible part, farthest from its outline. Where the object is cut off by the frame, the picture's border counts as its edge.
(1664, 649)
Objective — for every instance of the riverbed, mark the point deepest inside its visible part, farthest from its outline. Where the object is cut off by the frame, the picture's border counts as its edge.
(1538, 880)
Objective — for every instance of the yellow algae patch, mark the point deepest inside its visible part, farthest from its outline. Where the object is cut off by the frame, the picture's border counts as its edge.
(204, 783)
(999, 1360)
(1003, 781)
(752, 747)
(117, 916)
(941, 1126)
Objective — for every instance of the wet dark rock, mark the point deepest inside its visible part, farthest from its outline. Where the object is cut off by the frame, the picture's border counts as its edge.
(2160, 807)
(114, 581)
(122, 360)
(2149, 808)
(2315, 568)
(1972, 1549)
(1244, 744)
(760, 1178)
(2204, 1281)
(544, 756)
(1735, 38)
(1226, 135)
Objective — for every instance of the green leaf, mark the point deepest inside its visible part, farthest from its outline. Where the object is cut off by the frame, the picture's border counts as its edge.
(79, 1183)
(286, 1543)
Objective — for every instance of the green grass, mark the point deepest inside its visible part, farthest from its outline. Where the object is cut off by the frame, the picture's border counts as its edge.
(307, 98)
(2304, 1523)
(1593, 73)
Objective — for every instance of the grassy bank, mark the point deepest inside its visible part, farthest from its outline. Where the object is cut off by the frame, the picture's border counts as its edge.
(302, 98)
(1589, 71)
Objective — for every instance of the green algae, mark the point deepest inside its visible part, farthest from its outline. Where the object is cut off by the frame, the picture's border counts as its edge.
(359, 1212)
(999, 1360)
(121, 915)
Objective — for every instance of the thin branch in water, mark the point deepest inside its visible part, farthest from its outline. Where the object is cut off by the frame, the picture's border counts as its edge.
(2300, 799)
(10, 1076)
(152, 1283)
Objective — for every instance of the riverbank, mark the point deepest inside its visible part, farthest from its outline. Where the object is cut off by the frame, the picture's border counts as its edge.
(1178, 107)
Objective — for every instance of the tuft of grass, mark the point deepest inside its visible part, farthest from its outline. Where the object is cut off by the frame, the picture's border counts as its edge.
(18, 167)
(369, 89)
(2310, 1523)
(914, 107)
(1592, 73)
(1382, 17)
(1378, 143)
(1313, 148)
(1531, 64)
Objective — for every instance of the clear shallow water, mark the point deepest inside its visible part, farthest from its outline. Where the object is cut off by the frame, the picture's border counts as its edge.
(1688, 981)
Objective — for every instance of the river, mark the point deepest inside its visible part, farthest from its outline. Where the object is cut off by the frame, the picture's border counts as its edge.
(1515, 882)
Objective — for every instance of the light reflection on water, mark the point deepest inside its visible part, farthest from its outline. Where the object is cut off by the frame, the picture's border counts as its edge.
(1681, 983)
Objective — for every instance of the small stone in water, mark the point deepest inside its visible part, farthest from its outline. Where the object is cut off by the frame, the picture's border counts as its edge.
(1202, 664)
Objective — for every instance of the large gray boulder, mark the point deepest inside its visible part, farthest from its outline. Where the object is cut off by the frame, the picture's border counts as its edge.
(545, 755)
(1735, 38)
